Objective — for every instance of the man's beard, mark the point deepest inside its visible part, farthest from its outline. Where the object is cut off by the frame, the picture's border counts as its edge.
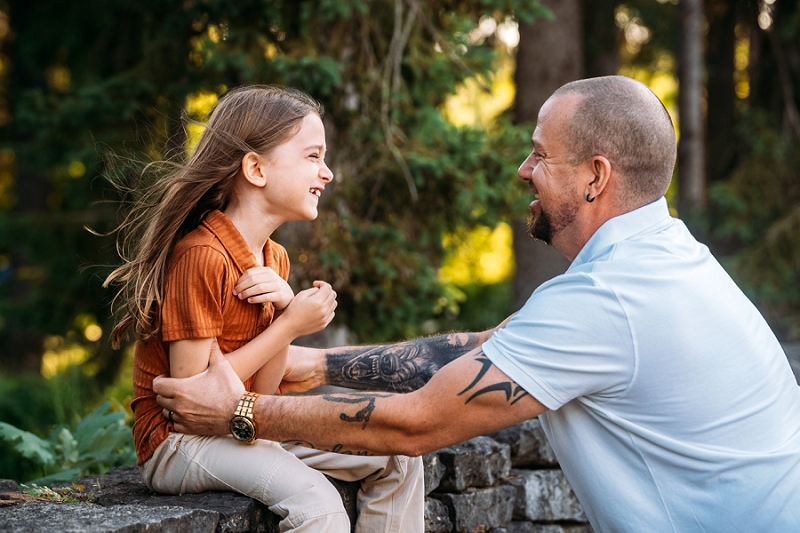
(544, 227)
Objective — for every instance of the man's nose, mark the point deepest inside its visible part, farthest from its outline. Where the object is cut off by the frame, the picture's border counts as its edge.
(525, 170)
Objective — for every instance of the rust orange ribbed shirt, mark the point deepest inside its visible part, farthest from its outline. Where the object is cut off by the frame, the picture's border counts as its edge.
(199, 303)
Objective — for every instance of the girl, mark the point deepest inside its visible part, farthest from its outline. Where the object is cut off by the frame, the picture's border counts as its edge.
(202, 267)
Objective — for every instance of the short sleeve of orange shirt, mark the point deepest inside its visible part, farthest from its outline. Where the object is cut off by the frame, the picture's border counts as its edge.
(194, 294)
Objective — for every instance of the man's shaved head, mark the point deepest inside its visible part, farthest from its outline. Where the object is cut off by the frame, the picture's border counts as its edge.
(622, 120)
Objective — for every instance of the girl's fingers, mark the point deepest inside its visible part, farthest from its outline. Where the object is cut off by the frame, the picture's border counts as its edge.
(262, 298)
(261, 288)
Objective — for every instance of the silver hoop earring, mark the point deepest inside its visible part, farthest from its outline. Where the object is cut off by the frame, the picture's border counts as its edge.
(590, 200)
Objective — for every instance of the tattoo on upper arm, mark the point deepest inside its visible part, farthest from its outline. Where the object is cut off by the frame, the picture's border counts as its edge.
(514, 392)
(363, 414)
(402, 367)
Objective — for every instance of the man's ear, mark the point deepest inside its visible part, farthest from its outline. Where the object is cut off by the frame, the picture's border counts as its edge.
(601, 174)
(253, 169)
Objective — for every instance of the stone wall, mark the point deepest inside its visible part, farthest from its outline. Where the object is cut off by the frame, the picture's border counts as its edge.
(506, 482)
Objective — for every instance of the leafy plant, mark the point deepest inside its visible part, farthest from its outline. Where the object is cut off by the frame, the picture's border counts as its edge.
(69, 494)
(101, 440)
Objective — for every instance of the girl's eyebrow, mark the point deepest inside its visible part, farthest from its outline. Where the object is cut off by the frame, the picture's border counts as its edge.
(314, 147)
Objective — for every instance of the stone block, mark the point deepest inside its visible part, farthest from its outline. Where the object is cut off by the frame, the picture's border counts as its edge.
(478, 462)
(529, 446)
(237, 513)
(434, 471)
(121, 492)
(544, 495)
(488, 508)
(437, 517)
(8, 485)
(530, 527)
(34, 517)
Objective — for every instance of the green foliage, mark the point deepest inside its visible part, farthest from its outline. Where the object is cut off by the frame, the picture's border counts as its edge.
(100, 441)
(70, 494)
(756, 222)
(118, 81)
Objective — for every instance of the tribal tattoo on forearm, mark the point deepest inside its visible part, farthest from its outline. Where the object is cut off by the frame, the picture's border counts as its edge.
(513, 392)
(401, 367)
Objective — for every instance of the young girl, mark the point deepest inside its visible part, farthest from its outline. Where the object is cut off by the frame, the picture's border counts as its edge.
(203, 267)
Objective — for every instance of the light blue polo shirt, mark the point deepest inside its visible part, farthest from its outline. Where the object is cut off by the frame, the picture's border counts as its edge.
(672, 405)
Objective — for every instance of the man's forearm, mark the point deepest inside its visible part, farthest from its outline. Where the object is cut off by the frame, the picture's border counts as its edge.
(401, 367)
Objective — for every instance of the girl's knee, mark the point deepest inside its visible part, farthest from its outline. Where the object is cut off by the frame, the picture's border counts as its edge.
(329, 522)
(317, 507)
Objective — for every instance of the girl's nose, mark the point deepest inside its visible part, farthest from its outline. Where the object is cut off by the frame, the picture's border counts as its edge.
(326, 174)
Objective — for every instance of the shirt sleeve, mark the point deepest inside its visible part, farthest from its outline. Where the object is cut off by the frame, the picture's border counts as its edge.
(193, 295)
(570, 339)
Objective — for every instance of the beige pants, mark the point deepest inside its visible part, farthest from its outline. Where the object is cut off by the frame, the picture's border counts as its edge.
(288, 480)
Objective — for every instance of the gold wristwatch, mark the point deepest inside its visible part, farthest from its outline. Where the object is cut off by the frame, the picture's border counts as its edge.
(243, 427)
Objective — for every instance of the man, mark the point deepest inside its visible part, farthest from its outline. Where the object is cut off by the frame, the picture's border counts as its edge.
(665, 396)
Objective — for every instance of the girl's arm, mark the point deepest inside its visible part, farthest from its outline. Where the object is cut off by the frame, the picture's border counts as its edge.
(310, 311)
(269, 376)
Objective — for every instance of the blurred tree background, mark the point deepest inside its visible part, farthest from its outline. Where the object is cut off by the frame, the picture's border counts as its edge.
(429, 109)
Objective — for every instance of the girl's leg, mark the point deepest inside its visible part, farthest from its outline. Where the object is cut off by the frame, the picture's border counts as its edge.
(392, 494)
(301, 496)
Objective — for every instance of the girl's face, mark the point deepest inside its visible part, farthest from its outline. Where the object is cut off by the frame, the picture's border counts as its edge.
(296, 173)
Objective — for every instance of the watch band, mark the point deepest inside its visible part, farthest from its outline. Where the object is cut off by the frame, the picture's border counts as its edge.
(246, 403)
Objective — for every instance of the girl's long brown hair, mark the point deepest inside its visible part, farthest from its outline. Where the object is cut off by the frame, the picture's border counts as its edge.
(249, 119)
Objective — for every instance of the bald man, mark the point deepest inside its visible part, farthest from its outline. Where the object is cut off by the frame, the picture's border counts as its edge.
(667, 399)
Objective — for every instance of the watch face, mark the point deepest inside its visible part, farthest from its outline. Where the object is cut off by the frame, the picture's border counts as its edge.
(243, 429)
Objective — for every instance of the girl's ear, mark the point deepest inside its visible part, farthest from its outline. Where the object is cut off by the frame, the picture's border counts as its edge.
(253, 169)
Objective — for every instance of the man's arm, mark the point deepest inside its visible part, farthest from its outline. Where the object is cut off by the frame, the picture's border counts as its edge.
(467, 398)
(401, 367)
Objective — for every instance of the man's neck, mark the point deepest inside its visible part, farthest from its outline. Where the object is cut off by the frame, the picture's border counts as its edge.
(590, 218)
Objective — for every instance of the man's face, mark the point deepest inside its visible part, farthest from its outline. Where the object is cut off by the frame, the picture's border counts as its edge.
(550, 174)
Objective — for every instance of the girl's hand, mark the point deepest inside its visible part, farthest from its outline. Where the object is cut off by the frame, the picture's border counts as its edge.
(262, 284)
(312, 309)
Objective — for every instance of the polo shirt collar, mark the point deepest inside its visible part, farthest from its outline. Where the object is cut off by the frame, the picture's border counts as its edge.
(230, 238)
(623, 227)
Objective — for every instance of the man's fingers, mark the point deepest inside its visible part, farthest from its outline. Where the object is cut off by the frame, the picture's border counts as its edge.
(164, 386)
(174, 417)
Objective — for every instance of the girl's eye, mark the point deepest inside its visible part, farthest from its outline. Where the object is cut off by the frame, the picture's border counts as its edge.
(315, 156)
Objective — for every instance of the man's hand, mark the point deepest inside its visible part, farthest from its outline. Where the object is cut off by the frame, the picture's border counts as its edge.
(305, 370)
(262, 284)
(204, 403)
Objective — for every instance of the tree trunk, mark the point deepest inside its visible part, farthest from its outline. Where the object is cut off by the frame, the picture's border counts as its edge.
(602, 38)
(721, 116)
(691, 148)
(550, 54)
